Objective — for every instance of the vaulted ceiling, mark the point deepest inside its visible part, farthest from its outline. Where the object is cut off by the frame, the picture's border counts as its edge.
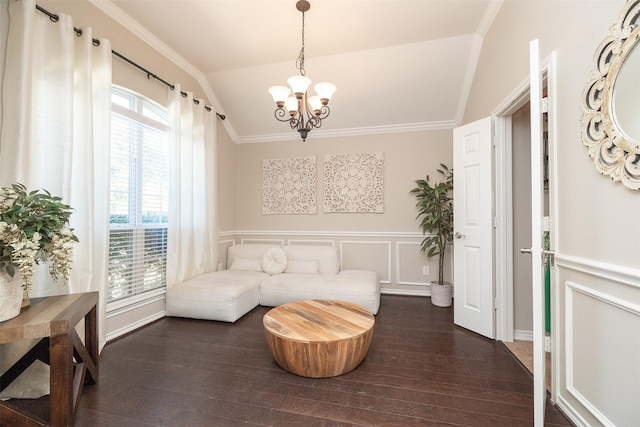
(399, 65)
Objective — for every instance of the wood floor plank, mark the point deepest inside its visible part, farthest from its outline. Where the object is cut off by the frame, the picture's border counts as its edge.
(421, 369)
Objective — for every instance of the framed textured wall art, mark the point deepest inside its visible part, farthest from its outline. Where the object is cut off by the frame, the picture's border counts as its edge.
(354, 183)
(289, 186)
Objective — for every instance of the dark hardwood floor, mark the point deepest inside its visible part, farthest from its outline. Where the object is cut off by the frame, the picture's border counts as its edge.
(421, 370)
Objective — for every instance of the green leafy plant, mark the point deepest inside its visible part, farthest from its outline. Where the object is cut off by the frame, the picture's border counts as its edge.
(34, 229)
(435, 207)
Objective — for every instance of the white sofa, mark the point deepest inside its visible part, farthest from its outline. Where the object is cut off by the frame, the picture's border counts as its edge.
(311, 272)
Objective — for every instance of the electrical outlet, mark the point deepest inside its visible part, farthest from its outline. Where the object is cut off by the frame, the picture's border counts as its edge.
(220, 266)
(425, 270)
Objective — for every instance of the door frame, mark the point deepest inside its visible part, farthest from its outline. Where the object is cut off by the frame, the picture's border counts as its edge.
(518, 97)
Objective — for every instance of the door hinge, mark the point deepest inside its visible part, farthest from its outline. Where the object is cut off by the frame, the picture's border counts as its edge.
(496, 303)
(544, 106)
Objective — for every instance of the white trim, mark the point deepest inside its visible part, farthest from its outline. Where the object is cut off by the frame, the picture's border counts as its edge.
(136, 325)
(570, 356)
(470, 72)
(504, 228)
(392, 234)
(126, 304)
(405, 292)
(490, 14)
(602, 297)
(521, 335)
(570, 413)
(371, 130)
(611, 272)
(398, 269)
(117, 308)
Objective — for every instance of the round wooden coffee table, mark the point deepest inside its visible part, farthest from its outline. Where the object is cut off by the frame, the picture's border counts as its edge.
(318, 338)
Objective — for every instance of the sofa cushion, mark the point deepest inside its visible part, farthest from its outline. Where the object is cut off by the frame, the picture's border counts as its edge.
(252, 250)
(302, 267)
(222, 295)
(356, 286)
(274, 261)
(326, 256)
(246, 264)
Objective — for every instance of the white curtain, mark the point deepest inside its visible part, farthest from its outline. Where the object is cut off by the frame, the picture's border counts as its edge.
(55, 134)
(192, 247)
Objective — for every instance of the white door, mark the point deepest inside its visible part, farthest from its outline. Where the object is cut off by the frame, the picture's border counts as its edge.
(473, 289)
(537, 237)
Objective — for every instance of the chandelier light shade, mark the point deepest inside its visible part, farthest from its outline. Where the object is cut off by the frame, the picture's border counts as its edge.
(295, 105)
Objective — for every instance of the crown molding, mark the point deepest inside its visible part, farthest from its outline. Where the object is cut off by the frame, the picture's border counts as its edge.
(388, 234)
(474, 56)
(489, 15)
(371, 130)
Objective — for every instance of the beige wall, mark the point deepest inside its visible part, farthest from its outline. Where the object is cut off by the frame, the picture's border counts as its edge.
(407, 157)
(596, 281)
(388, 242)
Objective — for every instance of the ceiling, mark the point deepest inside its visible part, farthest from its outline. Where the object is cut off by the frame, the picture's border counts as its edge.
(399, 65)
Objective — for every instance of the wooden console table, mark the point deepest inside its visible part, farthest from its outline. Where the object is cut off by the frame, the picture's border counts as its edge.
(52, 320)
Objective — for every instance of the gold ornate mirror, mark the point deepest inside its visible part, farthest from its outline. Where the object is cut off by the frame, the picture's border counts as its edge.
(611, 101)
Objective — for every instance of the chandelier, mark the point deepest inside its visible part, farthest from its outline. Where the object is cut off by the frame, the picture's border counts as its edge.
(303, 112)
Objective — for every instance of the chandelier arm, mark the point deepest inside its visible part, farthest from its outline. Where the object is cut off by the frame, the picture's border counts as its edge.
(324, 112)
(281, 115)
(294, 122)
(315, 122)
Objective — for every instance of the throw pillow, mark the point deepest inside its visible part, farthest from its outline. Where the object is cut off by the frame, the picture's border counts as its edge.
(274, 261)
(246, 264)
(303, 267)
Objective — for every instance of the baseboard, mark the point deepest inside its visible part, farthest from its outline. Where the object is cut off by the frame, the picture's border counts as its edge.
(521, 335)
(136, 325)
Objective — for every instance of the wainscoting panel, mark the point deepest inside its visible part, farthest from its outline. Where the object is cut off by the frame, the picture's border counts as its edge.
(409, 265)
(596, 323)
(223, 248)
(367, 255)
(395, 256)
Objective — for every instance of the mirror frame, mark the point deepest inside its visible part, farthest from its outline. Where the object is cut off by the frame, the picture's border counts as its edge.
(613, 153)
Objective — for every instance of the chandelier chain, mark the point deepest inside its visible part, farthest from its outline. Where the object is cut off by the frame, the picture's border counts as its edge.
(300, 60)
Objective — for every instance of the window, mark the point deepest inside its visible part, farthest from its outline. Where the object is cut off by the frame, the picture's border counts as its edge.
(138, 211)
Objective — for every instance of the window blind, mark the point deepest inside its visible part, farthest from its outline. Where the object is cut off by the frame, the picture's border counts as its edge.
(139, 202)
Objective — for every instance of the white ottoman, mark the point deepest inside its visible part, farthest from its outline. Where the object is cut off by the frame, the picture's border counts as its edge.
(222, 295)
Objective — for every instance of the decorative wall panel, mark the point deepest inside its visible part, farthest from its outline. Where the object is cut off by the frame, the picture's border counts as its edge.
(354, 183)
(289, 186)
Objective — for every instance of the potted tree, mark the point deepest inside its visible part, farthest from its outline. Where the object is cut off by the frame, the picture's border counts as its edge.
(435, 207)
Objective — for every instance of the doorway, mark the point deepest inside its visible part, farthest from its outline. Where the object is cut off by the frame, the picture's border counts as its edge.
(522, 344)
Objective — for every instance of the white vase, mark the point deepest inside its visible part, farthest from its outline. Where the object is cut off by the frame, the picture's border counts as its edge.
(10, 295)
(441, 294)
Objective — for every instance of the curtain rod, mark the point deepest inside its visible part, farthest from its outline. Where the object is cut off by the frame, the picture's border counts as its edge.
(54, 18)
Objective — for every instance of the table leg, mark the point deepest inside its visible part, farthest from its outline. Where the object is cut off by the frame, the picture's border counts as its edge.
(61, 363)
(91, 340)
